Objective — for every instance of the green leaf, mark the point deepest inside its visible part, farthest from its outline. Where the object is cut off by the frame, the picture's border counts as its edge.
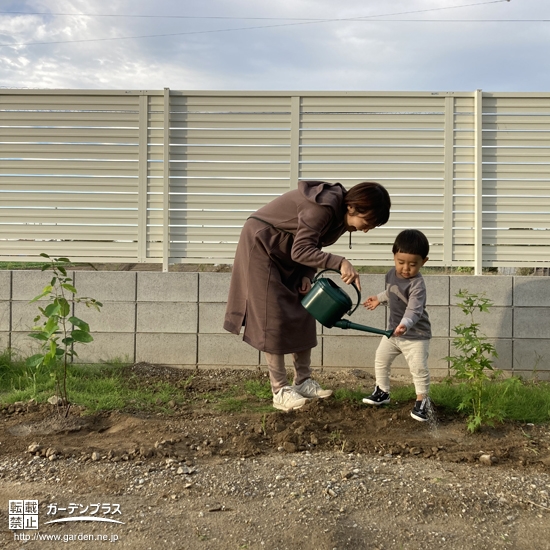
(52, 309)
(35, 360)
(47, 290)
(65, 307)
(39, 336)
(82, 336)
(79, 323)
(68, 341)
(69, 287)
(44, 255)
(51, 326)
(65, 260)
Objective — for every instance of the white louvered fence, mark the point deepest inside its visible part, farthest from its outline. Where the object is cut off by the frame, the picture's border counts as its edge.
(170, 176)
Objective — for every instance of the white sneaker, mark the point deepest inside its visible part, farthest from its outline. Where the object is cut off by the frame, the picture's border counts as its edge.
(287, 399)
(310, 388)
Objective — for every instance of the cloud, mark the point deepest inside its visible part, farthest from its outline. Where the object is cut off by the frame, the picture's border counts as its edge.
(255, 51)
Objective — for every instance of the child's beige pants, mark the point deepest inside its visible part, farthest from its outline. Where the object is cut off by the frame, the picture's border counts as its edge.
(415, 353)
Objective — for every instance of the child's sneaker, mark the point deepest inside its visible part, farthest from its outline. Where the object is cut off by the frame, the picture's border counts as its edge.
(311, 388)
(378, 397)
(288, 399)
(421, 410)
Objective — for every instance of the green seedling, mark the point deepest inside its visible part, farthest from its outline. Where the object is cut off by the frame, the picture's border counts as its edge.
(473, 362)
(56, 329)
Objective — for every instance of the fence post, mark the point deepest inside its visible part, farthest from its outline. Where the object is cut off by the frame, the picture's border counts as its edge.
(294, 141)
(142, 178)
(166, 183)
(448, 161)
(478, 182)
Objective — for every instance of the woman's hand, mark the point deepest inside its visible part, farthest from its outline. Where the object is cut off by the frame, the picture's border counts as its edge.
(305, 286)
(349, 275)
(372, 302)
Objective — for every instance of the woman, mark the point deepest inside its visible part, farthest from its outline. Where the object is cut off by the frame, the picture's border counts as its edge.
(278, 253)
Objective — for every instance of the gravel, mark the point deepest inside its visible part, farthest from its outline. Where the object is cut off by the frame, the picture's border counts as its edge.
(325, 500)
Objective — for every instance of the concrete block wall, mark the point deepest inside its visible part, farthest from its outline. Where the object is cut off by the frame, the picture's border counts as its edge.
(176, 319)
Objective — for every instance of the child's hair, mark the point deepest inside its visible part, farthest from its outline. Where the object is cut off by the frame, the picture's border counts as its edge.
(412, 241)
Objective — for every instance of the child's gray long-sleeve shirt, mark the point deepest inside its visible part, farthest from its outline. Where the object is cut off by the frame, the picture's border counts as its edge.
(407, 303)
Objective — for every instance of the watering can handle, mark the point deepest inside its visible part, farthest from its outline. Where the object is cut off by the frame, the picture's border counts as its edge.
(352, 284)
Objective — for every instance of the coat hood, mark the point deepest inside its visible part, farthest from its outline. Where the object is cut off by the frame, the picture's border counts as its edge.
(323, 193)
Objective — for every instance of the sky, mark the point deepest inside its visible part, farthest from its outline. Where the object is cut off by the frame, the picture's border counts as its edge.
(288, 45)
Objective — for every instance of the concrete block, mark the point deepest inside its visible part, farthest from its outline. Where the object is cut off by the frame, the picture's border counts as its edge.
(5, 322)
(226, 349)
(539, 376)
(107, 347)
(349, 351)
(439, 319)
(496, 323)
(505, 360)
(317, 354)
(5, 285)
(167, 317)
(167, 349)
(437, 290)
(107, 286)
(23, 345)
(498, 288)
(23, 314)
(211, 316)
(28, 284)
(531, 322)
(4, 341)
(371, 284)
(532, 291)
(214, 287)
(112, 317)
(532, 358)
(167, 287)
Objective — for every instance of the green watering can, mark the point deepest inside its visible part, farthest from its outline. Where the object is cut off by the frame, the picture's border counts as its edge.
(327, 302)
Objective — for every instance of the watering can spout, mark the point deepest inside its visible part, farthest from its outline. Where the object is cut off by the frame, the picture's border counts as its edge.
(345, 324)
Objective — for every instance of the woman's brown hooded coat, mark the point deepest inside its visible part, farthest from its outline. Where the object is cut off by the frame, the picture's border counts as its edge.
(280, 244)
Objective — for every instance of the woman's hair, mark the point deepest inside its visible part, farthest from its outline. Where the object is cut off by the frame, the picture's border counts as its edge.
(370, 200)
(412, 241)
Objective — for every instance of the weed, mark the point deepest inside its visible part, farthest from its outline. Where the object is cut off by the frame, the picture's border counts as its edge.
(343, 394)
(336, 437)
(259, 389)
(231, 404)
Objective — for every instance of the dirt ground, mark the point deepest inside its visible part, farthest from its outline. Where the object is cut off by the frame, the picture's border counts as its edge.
(331, 475)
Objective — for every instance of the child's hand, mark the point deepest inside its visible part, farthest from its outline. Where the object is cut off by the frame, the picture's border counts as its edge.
(305, 286)
(372, 302)
(400, 330)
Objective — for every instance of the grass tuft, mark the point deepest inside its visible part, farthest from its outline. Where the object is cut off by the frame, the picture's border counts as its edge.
(110, 387)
